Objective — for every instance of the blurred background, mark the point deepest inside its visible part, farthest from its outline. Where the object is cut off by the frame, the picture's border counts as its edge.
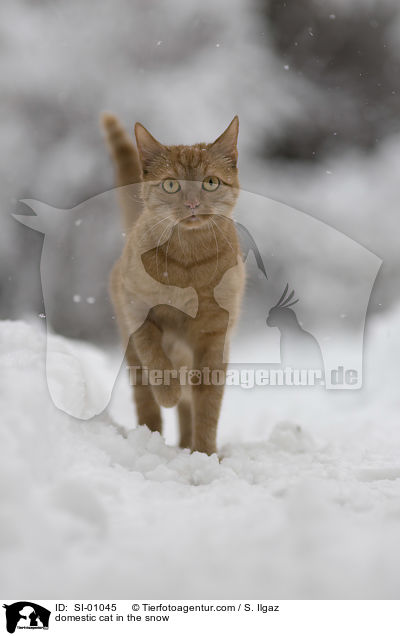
(315, 84)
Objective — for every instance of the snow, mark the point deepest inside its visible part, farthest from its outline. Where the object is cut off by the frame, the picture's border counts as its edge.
(303, 502)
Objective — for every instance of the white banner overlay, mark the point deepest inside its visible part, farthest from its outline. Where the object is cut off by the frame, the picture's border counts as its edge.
(176, 617)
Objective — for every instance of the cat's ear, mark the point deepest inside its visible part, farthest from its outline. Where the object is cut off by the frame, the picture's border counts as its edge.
(148, 147)
(226, 144)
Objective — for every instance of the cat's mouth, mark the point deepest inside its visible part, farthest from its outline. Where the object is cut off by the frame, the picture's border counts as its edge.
(195, 219)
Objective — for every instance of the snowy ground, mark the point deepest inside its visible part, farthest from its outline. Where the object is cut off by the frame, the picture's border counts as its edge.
(304, 504)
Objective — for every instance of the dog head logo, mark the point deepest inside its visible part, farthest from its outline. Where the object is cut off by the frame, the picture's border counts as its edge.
(26, 615)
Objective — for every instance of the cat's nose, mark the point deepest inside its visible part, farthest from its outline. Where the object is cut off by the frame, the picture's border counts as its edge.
(192, 204)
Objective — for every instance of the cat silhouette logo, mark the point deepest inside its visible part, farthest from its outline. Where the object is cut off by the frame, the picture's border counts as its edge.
(332, 274)
(26, 615)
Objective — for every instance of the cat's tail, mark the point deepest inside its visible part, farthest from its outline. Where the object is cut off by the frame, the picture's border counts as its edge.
(127, 167)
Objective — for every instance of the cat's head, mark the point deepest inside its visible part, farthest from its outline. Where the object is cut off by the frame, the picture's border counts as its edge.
(187, 184)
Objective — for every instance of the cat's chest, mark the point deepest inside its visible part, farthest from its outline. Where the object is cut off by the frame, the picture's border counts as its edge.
(215, 279)
(203, 271)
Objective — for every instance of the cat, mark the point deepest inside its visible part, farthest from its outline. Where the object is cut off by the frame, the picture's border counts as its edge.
(179, 237)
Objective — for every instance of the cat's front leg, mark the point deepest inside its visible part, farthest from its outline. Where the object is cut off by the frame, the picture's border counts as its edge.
(148, 345)
(207, 394)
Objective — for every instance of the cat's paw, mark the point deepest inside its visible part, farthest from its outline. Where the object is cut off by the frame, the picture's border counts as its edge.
(202, 447)
(168, 395)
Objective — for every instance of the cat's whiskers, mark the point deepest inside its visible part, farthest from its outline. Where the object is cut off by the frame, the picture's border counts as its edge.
(209, 222)
(180, 240)
(200, 236)
(158, 223)
(214, 221)
(166, 251)
(158, 244)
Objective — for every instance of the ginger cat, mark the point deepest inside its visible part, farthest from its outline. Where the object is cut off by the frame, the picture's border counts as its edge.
(178, 284)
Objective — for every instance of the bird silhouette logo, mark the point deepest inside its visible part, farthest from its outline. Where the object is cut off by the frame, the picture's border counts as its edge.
(298, 347)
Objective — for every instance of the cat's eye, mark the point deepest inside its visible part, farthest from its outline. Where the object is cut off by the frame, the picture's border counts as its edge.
(171, 186)
(211, 183)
